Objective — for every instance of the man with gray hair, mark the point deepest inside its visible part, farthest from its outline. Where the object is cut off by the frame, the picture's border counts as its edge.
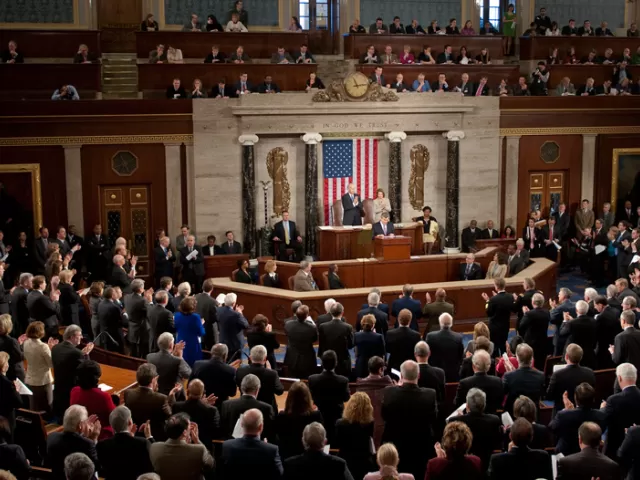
(192, 262)
(581, 331)
(137, 305)
(373, 308)
(119, 276)
(489, 384)
(409, 412)
(171, 367)
(314, 463)
(248, 454)
(270, 385)
(232, 324)
(232, 409)
(303, 280)
(125, 455)
(446, 348)
(78, 466)
(565, 381)
(382, 306)
(630, 303)
(558, 309)
(626, 347)
(80, 434)
(534, 327)
(218, 377)
(430, 376)
(525, 380)
(160, 319)
(325, 317)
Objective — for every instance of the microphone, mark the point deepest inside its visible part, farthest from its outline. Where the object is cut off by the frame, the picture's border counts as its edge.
(109, 337)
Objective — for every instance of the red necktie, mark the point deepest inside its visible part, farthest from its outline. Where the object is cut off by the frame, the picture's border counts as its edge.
(551, 233)
(479, 91)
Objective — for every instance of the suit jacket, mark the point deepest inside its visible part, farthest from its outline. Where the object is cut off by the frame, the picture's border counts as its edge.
(475, 272)
(627, 347)
(487, 434)
(374, 79)
(533, 328)
(466, 88)
(273, 282)
(489, 384)
(337, 335)
(531, 464)
(265, 460)
(278, 231)
(61, 444)
(237, 87)
(582, 331)
(584, 219)
(442, 58)
(232, 325)
(137, 311)
(516, 264)
(432, 312)
(620, 414)
(469, 238)
(275, 58)
(537, 238)
(171, 370)
(303, 282)
(567, 422)
(270, 385)
(557, 317)
(218, 378)
(499, 308)
(368, 344)
(300, 357)
(628, 454)
(69, 303)
(410, 304)
(382, 319)
(65, 358)
(207, 252)
(195, 266)
(378, 230)
(490, 234)
(434, 378)
(233, 408)
(206, 308)
(566, 380)
(523, 381)
(219, 58)
(20, 310)
(352, 214)
(316, 466)
(40, 254)
(607, 328)
(329, 392)
(523, 300)
(236, 249)
(42, 309)
(110, 321)
(164, 264)
(145, 404)
(227, 91)
(446, 352)
(160, 321)
(589, 463)
(124, 457)
(119, 278)
(13, 459)
(400, 344)
(334, 281)
(177, 460)
(205, 415)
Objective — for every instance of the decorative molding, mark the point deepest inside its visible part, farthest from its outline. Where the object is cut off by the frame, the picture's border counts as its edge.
(186, 138)
(419, 165)
(350, 135)
(248, 140)
(454, 135)
(277, 160)
(614, 172)
(516, 132)
(311, 138)
(395, 137)
(36, 188)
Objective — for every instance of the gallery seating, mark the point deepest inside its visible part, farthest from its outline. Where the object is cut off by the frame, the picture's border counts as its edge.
(538, 48)
(495, 73)
(579, 73)
(31, 81)
(35, 44)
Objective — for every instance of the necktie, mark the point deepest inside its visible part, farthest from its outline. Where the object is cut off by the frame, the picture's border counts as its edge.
(244, 86)
(190, 249)
(468, 269)
(222, 92)
(351, 198)
(479, 91)
(384, 228)
(379, 81)
(510, 258)
(230, 245)
(46, 242)
(286, 233)
(551, 233)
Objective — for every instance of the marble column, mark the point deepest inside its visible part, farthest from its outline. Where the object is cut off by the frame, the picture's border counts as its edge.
(453, 190)
(588, 166)
(174, 188)
(73, 178)
(312, 221)
(249, 233)
(191, 187)
(395, 173)
(511, 181)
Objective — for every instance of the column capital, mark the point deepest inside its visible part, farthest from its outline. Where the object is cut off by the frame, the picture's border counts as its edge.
(311, 138)
(395, 137)
(248, 140)
(454, 135)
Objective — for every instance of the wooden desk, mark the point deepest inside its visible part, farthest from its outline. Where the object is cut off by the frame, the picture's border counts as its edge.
(118, 378)
(355, 45)
(500, 243)
(538, 48)
(40, 80)
(51, 43)
(579, 73)
(222, 265)
(158, 78)
(198, 45)
(495, 73)
(396, 248)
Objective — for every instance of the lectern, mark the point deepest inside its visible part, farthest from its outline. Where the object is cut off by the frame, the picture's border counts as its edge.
(392, 248)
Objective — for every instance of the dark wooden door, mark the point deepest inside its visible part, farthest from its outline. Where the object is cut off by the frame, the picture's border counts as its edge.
(547, 190)
(322, 19)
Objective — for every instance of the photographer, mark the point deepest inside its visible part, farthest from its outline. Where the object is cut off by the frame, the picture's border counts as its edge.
(539, 79)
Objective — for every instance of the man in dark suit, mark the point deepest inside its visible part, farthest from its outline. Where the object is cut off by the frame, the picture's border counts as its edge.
(137, 305)
(607, 328)
(629, 453)
(233, 408)
(515, 263)
(549, 236)
(377, 77)
(76, 244)
(300, 357)
(206, 308)
(409, 303)
(61, 241)
(41, 246)
(119, 276)
(160, 321)
(222, 90)
(465, 87)
(589, 462)
(232, 324)
(499, 308)
(337, 335)
(532, 237)
(248, 454)
(430, 376)
(446, 348)
(622, 286)
(230, 246)
(19, 308)
(469, 236)
(44, 308)
(79, 435)
(446, 56)
(373, 308)
(581, 331)
(524, 300)
(97, 249)
(382, 306)
(409, 412)
(286, 232)
(352, 207)
(533, 328)
(314, 464)
(626, 213)
(524, 381)
(270, 385)
(558, 309)
(470, 270)
(481, 89)
(329, 391)
(562, 221)
(164, 259)
(243, 86)
(384, 227)
(192, 262)
(218, 377)
(433, 309)
(124, 456)
(211, 249)
(489, 233)
(170, 365)
(626, 346)
(201, 411)
(537, 463)
(110, 322)
(568, 378)
(401, 341)
(489, 384)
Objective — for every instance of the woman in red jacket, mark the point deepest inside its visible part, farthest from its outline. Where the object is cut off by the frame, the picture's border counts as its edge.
(452, 461)
(91, 397)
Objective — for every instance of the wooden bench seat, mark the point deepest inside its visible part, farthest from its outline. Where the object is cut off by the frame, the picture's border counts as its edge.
(40, 80)
(537, 48)
(495, 73)
(51, 43)
(579, 74)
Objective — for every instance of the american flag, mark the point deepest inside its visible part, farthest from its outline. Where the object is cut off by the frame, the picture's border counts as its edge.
(348, 161)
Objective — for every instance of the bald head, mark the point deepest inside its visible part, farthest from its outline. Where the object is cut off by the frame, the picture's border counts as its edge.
(252, 422)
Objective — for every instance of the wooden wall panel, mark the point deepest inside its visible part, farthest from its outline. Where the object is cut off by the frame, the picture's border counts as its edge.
(52, 173)
(604, 158)
(570, 160)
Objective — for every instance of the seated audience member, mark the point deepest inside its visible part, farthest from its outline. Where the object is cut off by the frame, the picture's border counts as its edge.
(125, 456)
(468, 28)
(238, 9)
(218, 377)
(425, 56)
(520, 457)
(625, 87)
(197, 90)
(399, 85)
(608, 58)
(539, 79)
(334, 279)
(605, 88)
(378, 27)
(271, 278)
(483, 379)
(626, 56)
(174, 55)
(488, 29)
(213, 25)
(216, 56)
(571, 58)
(354, 433)
(586, 30)
(532, 31)
(235, 25)
(389, 57)
(452, 28)
(553, 30)
(396, 26)
(182, 456)
(239, 56)
(12, 457)
(524, 381)
(407, 58)
(242, 87)
(371, 56)
(553, 59)
(565, 88)
(83, 55)
(314, 82)
(242, 272)
(145, 403)
(446, 56)
(452, 459)
(282, 57)
(508, 232)
(434, 28)
(446, 348)
(355, 27)
(66, 92)
(415, 28)
(87, 394)
(463, 57)
(268, 86)
(588, 462)
(176, 90)
(521, 89)
(420, 84)
(233, 408)
(194, 25)
(158, 55)
(441, 85)
(470, 270)
(603, 30)
(221, 90)
(79, 435)
(482, 89)
(633, 31)
(483, 57)
(620, 73)
(211, 249)
(588, 89)
(377, 77)
(570, 29)
(503, 89)
(304, 55)
(11, 55)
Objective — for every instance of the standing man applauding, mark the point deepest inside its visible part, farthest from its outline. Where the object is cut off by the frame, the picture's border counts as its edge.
(352, 207)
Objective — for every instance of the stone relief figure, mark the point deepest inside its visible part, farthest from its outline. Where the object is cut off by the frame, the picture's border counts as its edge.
(277, 160)
(419, 165)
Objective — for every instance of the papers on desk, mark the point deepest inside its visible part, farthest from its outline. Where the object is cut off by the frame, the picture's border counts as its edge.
(601, 248)
(22, 388)
(192, 255)
(507, 421)
(554, 464)
(458, 411)
(104, 387)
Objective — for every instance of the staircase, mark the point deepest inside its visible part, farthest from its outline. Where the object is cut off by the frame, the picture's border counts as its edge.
(119, 76)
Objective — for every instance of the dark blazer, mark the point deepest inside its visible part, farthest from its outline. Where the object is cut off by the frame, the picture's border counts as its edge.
(487, 434)
(207, 252)
(232, 324)
(268, 340)
(499, 309)
(533, 328)
(229, 250)
(160, 321)
(124, 457)
(300, 357)
(164, 265)
(410, 304)
(218, 378)
(621, 412)
(272, 282)
(40, 251)
(227, 91)
(582, 331)
(337, 335)
(400, 344)
(334, 281)
(468, 238)
(69, 305)
(352, 214)
(567, 422)
(65, 358)
(13, 459)
(248, 457)
(353, 440)
(489, 233)
(329, 392)
(446, 352)
(145, 404)
(219, 58)
(530, 464)
(627, 347)
(137, 308)
(316, 466)
(382, 319)
(194, 268)
(489, 384)
(205, 415)
(629, 453)
(289, 428)
(377, 229)
(278, 231)
(475, 273)
(523, 300)
(607, 328)
(557, 317)
(111, 322)
(19, 310)
(206, 308)
(368, 344)
(171, 370)
(434, 378)
(566, 380)
(62, 444)
(11, 346)
(523, 381)
(42, 309)
(119, 278)
(233, 408)
(270, 385)
(589, 463)
(9, 401)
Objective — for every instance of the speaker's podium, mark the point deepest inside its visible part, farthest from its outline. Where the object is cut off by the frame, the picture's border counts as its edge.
(392, 248)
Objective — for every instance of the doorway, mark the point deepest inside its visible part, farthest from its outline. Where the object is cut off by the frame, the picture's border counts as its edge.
(547, 190)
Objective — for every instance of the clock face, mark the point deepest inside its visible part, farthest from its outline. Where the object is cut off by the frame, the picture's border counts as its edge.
(356, 85)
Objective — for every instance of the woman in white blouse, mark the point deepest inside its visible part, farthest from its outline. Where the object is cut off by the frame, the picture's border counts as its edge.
(381, 205)
(38, 357)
